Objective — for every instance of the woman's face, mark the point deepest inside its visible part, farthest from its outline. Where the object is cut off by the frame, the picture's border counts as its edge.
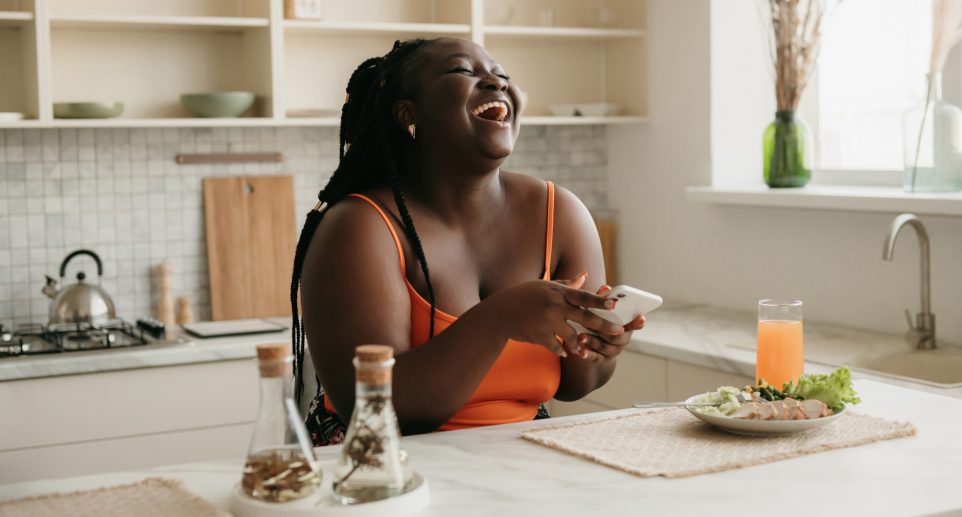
(467, 103)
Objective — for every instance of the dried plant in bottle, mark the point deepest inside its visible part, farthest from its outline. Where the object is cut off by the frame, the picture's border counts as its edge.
(278, 476)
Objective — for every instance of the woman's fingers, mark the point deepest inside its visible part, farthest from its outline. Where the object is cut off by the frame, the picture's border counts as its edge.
(579, 298)
(636, 324)
(603, 348)
(592, 321)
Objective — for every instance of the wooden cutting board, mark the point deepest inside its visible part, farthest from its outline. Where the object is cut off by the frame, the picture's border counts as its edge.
(250, 245)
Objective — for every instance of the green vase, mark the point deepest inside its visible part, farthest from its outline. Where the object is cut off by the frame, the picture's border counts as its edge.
(787, 144)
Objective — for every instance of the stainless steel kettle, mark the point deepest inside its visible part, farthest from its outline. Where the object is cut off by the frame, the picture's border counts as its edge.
(80, 302)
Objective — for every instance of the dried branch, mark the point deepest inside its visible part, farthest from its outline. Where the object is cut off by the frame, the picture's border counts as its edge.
(796, 29)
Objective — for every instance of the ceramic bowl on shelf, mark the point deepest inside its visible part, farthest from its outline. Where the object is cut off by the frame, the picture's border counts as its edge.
(87, 109)
(584, 109)
(218, 104)
(563, 110)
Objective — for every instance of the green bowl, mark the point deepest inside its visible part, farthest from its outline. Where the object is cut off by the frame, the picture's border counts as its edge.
(87, 109)
(218, 104)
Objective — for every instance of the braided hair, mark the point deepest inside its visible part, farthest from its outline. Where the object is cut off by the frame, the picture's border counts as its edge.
(370, 142)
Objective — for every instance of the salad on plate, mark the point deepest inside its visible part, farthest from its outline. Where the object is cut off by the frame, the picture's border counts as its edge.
(813, 396)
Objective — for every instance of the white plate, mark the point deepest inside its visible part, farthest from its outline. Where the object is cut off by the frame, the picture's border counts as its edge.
(761, 427)
(10, 116)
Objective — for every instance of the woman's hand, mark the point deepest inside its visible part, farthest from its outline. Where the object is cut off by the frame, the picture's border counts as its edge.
(604, 345)
(538, 312)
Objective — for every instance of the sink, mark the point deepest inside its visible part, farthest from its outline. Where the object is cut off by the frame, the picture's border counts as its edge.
(941, 367)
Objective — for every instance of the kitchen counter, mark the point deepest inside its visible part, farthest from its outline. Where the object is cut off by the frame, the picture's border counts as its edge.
(724, 339)
(189, 350)
(492, 471)
(698, 334)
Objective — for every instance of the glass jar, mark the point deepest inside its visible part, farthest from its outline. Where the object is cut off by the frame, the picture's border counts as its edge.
(371, 466)
(787, 151)
(932, 139)
(280, 464)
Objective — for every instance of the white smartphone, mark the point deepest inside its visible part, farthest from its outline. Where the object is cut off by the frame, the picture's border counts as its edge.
(630, 304)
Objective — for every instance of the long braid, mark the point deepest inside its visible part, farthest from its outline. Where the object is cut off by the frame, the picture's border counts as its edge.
(369, 144)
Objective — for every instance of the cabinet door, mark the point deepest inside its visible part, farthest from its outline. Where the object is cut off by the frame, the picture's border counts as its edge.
(685, 380)
(79, 408)
(637, 377)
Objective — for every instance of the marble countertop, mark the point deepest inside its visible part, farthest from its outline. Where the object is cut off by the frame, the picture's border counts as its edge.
(724, 339)
(703, 335)
(492, 471)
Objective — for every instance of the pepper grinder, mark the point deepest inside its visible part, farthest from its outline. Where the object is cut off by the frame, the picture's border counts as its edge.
(165, 305)
(185, 313)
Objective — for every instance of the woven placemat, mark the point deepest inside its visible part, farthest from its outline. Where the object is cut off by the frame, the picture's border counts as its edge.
(673, 444)
(152, 497)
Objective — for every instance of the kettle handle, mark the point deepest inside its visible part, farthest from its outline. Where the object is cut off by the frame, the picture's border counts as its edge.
(63, 265)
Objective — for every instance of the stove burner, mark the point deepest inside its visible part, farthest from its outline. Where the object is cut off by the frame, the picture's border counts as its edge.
(39, 339)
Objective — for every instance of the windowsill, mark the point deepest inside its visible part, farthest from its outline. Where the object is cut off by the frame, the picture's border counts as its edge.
(832, 197)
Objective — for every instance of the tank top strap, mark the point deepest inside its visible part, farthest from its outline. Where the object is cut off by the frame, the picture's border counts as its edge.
(390, 226)
(549, 238)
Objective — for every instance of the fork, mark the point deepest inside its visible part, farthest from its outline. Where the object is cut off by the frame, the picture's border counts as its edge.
(741, 398)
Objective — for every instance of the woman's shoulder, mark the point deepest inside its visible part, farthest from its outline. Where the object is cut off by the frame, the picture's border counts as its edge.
(531, 189)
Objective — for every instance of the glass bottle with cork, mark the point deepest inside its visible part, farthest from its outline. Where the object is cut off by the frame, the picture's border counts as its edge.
(372, 465)
(280, 463)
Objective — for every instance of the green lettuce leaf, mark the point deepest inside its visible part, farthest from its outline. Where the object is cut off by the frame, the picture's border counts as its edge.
(834, 389)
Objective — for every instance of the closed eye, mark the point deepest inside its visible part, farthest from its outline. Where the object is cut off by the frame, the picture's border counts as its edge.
(460, 70)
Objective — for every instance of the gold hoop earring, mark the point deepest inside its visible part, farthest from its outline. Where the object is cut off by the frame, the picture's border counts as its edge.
(412, 129)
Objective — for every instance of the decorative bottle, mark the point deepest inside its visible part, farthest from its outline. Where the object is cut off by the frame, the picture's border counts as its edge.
(280, 463)
(371, 465)
(932, 140)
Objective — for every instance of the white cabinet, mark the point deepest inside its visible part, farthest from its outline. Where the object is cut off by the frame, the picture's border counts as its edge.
(146, 53)
(80, 424)
(644, 377)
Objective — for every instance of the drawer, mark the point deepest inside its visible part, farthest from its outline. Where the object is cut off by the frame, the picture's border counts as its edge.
(76, 408)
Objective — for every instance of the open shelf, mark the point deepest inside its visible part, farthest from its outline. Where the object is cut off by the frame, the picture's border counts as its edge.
(149, 70)
(582, 121)
(162, 122)
(156, 22)
(146, 53)
(306, 26)
(14, 18)
(562, 32)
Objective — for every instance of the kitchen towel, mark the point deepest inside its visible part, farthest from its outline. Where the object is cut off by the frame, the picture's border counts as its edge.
(151, 497)
(671, 443)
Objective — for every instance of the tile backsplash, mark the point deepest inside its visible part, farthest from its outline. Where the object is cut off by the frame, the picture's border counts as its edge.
(120, 193)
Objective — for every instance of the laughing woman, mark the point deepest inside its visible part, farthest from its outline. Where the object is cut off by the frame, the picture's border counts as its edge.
(421, 241)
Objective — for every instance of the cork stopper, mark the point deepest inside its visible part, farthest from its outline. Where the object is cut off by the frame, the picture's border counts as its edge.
(374, 363)
(274, 359)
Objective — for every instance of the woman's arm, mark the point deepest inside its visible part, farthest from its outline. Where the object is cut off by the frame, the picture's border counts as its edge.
(354, 293)
(580, 250)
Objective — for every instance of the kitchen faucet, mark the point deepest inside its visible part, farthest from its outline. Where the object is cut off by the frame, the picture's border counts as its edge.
(921, 334)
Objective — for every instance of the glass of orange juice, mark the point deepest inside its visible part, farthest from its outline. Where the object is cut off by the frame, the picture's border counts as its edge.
(781, 357)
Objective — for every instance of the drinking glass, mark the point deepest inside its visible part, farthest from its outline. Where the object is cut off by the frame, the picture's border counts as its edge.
(781, 357)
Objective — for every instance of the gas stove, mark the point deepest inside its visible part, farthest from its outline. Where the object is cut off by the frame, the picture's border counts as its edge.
(75, 337)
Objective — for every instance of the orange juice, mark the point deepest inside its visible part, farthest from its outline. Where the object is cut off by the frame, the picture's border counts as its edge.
(781, 355)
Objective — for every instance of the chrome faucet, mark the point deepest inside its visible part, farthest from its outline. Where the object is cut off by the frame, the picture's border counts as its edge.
(921, 334)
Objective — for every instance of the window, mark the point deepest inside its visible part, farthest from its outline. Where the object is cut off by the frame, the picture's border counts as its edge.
(871, 69)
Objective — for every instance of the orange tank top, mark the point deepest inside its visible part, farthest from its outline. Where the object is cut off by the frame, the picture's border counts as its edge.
(522, 377)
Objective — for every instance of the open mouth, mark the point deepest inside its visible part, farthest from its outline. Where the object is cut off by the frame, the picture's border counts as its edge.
(495, 111)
